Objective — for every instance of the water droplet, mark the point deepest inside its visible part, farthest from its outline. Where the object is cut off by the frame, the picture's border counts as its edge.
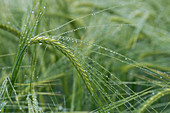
(72, 40)
(27, 98)
(93, 14)
(111, 54)
(27, 81)
(32, 12)
(44, 7)
(8, 22)
(60, 108)
(40, 13)
(118, 29)
(40, 108)
(40, 44)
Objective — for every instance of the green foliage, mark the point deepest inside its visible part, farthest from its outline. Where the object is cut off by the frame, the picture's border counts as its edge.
(84, 56)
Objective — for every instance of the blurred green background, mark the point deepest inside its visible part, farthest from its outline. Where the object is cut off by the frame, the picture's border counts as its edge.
(125, 42)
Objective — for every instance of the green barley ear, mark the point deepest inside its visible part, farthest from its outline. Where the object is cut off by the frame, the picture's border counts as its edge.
(36, 107)
(2, 92)
(68, 54)
(30, 106)
(153, 99)
(10, 29)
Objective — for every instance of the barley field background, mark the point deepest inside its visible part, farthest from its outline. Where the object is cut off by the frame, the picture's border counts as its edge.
(81, 56)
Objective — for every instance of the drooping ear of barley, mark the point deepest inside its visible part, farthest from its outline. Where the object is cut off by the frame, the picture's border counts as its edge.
(68, 54)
